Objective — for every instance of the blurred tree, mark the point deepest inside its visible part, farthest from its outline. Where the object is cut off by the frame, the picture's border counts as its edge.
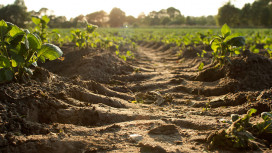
(131, 20)
(141, 18)
(245, 16)
(173, 12)
(211, 21)
(165, 21)
(43, 11)
(58, 22)
(178, 20)
(98, 18)
(20, 3)
(228, 14)
(15, 13)
(260, 12)
(190, 21)
(117, 17)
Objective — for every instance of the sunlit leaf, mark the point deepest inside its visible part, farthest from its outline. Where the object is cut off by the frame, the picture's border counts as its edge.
(46, 19)
(3, 28)
(237, 41)
(200, 67)
(225, 30)
(34, 42)
(49, 51)
(36, 20)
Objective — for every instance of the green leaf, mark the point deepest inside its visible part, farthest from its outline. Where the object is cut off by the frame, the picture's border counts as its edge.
(237, 41)
(4, 62)
(255, 50)
(231, 36)
(3, 29)
(45, 19)
(15, 31)
(34, 42)
(215, 46)
(15, 40)
(36, 20)
(237, 52)
(251, 111)
(91, 28)
(266, 116)
(16, 59)
(225, 30)
(200, 67)
(22, 49)
(49, 51)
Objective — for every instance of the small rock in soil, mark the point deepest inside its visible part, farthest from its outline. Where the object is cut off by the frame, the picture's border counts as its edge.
(164, 129)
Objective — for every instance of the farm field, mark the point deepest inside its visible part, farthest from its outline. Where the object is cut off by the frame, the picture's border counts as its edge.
(140, 90)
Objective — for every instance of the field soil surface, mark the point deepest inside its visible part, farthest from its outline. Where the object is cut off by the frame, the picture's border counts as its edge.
(93, 101)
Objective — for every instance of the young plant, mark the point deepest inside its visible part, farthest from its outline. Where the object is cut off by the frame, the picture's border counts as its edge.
(237, 135)
(265, 126)
(225, 45)
(128, 55)
(41, 27)
(82, 37)
(241, 134)
(269, 50)
(19, 50)
(201, 65)
(55, 37)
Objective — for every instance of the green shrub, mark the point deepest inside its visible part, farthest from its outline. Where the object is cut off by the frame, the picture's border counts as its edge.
(19, 50)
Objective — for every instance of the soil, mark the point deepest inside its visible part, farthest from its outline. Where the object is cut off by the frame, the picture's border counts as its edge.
(93, 101)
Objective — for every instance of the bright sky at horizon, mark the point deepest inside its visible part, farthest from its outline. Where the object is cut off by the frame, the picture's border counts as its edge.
(73, 8)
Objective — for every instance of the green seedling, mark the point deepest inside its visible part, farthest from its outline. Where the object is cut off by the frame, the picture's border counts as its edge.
(82, 37)
(241, 134)
(266, 125)
(237, 135)
(225, 45)
(269, 50)
(21, 49)
(55, 37)
(128, 55)
(41, 27)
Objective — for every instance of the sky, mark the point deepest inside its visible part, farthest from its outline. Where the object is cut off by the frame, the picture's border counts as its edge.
(73, 8)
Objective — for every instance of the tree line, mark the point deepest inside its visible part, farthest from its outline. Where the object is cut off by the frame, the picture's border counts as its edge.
(257, 14)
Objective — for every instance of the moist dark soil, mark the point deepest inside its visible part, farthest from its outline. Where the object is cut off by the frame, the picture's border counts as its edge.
(93, 101)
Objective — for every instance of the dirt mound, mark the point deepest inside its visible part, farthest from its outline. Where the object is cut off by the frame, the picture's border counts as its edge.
(92, 101)
(190, 52)
(99, 65)
(253, 71)
(250, 71)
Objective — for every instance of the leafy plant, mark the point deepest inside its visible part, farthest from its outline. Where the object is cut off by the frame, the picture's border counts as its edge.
(269, 50)
(20, 49)
(128, 54)
(241, 134)
(82, 37)
(237, 135)
(225, 45)
(266, 125)
(41, 27)
(55, 37)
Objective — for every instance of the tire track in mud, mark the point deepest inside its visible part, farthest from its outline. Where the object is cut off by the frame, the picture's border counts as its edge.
(177, 105)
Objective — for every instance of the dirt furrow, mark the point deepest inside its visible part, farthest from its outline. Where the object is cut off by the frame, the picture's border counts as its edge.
(93, 101)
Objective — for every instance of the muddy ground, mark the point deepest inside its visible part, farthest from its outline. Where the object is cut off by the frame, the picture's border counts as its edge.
(93, 101)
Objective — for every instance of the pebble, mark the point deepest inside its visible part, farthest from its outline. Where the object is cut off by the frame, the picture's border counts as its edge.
(136, 137)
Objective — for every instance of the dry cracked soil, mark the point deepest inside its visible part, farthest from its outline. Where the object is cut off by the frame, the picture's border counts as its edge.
(93, 101)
